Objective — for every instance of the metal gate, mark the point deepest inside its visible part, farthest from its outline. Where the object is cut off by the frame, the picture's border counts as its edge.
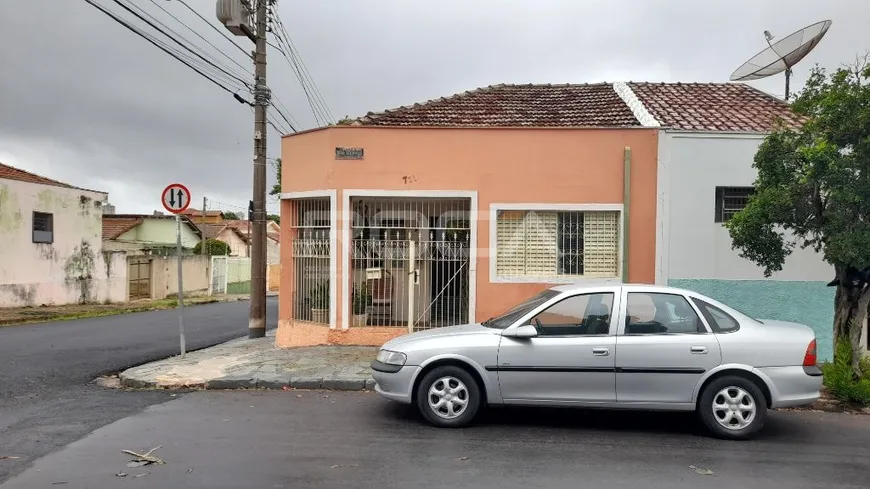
(218, 279)
(410, 262)
(139, 277)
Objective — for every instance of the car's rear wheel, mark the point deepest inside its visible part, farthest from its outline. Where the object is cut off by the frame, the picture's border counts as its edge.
(448, 397)
(732, 407)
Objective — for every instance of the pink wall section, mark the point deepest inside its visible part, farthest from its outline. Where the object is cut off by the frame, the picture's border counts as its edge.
(576, 166)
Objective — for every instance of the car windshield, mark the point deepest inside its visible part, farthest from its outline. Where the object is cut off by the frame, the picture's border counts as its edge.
(511, 316)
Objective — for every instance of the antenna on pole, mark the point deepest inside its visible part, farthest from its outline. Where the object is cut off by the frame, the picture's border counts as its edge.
(781, 56)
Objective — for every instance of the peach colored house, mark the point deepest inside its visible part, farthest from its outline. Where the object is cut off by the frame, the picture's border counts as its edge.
(453, 210)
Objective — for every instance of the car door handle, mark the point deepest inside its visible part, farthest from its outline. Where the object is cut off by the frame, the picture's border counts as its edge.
(599, 350)
(699, 349)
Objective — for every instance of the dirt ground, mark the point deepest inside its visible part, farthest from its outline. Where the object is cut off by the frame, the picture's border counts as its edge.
(20, 315)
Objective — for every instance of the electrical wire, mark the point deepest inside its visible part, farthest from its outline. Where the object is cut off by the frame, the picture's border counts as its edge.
(197, 34)
(160, 46)
(296, 54)
(222, 33)
(125, 7)
(288, 50)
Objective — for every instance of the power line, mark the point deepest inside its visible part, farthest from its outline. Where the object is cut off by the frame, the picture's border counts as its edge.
(243, 82)
(159, 45)
(245, 70)
(288, 50)
(222, 33)
(297, 54)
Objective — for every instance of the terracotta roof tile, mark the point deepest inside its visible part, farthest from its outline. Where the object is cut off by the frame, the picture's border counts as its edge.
(211, 231)
(274, 237)
(114, 225)
(198, 212)
(587, 105)
(11, 173)
(713, 106)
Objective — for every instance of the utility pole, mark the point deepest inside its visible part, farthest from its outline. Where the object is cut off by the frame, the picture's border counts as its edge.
(235, 14)
(203, 250)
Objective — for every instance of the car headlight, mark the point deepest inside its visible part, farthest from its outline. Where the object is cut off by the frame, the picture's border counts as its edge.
(392, 357)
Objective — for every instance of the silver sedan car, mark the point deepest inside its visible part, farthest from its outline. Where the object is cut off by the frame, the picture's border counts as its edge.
(617, 347)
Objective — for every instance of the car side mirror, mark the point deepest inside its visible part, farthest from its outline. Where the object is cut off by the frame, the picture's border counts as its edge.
(525, 331)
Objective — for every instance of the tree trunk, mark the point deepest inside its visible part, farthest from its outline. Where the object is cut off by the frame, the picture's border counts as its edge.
(850, 312)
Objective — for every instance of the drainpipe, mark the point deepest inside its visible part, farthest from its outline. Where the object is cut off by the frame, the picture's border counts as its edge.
(626, 217)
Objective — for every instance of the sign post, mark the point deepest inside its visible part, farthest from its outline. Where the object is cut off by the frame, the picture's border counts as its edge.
(176, 199)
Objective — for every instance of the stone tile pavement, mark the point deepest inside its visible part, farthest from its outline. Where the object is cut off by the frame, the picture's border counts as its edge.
(244, 363)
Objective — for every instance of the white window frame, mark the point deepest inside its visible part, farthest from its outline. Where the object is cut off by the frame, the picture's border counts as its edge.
(332, 194)
(493, 243)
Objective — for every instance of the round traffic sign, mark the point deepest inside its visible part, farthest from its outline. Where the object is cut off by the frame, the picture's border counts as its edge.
(176, 198)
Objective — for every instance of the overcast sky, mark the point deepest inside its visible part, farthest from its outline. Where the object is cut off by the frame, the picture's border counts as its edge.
(85, 101)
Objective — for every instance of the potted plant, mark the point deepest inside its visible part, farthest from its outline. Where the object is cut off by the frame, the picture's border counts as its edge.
(318, 299)
(362, 298)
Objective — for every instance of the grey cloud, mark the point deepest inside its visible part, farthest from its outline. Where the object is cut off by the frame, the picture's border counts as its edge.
(83, 99)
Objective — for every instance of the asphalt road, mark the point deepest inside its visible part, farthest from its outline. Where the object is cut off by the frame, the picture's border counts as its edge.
(299, 439)
(47, 398)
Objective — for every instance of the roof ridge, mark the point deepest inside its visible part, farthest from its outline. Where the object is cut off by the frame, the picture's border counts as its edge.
(45, 180)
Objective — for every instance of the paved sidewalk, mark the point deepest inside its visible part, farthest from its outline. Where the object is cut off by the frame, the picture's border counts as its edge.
(245, 364)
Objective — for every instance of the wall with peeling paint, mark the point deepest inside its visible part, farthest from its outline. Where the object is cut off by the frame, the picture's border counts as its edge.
(73, 268)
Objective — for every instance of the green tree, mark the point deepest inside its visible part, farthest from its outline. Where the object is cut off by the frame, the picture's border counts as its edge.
(276, 189)
(813, 191)
(213, 247)
(345, 121)
(232, 216)
(274, 217)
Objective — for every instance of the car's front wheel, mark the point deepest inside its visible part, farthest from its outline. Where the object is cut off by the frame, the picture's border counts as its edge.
(733, 407)
(448, 397)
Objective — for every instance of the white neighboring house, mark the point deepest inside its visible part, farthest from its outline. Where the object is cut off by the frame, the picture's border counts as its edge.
(709, 134)
(52, 244)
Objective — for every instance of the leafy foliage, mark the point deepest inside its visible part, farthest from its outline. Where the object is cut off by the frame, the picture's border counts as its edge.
(212, 247)
(345, 121)
(840, 380)
(362, 298)
(231, 216)
(276, 189)
(274, 217)
(319, 296)
(813, 185)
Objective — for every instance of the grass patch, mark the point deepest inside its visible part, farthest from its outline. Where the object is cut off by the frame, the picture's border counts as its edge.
(39, 315)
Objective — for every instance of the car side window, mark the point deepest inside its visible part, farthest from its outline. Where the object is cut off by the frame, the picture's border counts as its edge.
(719, 320)
(586, 314)
(657, 313)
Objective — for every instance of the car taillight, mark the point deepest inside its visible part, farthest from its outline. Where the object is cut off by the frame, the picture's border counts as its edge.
(810, 355)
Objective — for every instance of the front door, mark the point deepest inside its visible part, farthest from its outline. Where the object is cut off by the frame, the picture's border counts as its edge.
(663, 349)
(571, 359)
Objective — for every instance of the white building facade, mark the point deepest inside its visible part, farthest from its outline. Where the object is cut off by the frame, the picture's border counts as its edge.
(52, 244)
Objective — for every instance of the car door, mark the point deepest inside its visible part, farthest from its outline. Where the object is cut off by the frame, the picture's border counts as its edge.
(571, 359)
(663, 348)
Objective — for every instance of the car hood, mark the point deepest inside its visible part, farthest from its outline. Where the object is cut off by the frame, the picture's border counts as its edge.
(463, 330)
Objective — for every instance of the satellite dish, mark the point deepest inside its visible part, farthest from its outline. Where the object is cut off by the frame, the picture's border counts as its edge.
(782, 55)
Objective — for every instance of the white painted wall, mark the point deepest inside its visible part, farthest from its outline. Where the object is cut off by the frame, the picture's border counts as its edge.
(73, 268)
(695, 247)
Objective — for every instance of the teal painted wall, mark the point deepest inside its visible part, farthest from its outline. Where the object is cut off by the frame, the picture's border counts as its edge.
(810, 303)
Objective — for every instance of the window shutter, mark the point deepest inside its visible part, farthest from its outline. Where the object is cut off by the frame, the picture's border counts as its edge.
(601, 244)
(541, 247)
(510, 243)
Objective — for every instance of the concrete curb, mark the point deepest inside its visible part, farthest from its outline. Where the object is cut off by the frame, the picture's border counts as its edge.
(268, 382)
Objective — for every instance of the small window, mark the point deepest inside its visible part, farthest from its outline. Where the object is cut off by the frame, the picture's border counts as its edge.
(730, 201)
(43, 227)
(651, 313)
(587, 314)
(719, 320)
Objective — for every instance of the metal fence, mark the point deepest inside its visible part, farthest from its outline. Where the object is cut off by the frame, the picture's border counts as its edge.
(238, 275)
(310, 228)
(218, 279)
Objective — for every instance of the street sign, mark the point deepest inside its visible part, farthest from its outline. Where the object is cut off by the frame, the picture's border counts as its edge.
(176, 198)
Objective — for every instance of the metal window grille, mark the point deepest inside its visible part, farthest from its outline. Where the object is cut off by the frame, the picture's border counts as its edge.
(310, 228)
(409, 262)
(730, 201)
(549, 244)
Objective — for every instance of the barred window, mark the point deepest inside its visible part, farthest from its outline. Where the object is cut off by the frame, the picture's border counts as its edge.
(730, 201)
(557, 244)
(43, 227)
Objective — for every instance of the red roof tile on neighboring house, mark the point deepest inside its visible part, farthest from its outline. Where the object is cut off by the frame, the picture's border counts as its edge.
(212, 231)
(713, 106)
(586, 105)
(198, 213)
(115, 225)
(11, 173)
(274, 237)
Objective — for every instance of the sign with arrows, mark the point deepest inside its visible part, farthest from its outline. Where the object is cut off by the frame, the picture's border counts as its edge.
(176, 198)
